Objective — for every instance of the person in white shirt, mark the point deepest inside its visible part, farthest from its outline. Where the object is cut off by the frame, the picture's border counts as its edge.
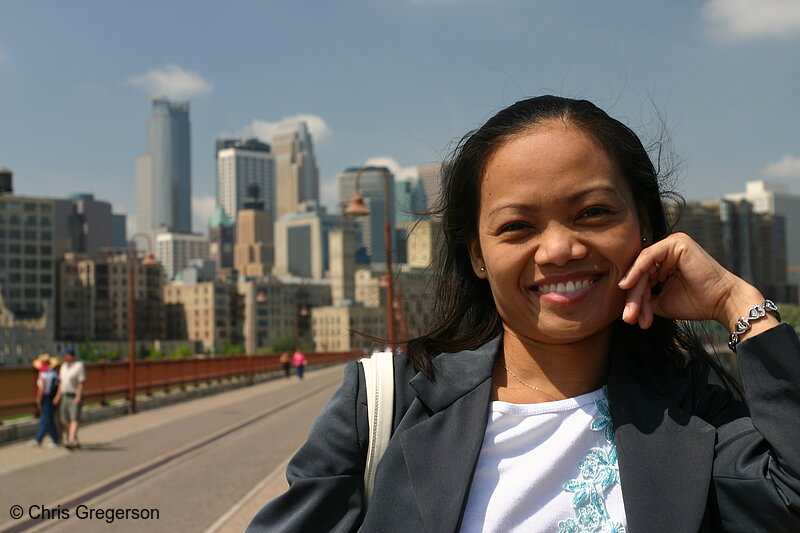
(560, 387)
(69, 397)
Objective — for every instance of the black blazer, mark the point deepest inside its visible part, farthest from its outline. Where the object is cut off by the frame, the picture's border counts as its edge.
(687, 463)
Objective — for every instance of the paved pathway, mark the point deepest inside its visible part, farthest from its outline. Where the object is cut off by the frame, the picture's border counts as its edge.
(206, 465)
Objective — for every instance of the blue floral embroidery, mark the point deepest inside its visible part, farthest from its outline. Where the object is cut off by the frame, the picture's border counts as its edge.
(598, 472)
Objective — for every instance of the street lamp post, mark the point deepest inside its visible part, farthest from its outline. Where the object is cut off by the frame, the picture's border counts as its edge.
(132, 265)
(358, 209)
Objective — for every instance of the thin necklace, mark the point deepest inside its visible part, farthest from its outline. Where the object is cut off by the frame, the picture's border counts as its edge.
(534, 387)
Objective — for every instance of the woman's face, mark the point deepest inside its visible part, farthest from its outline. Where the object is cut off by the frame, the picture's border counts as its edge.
(557, 229)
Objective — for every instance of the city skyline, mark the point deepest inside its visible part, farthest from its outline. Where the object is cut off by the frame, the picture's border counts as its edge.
(712, 76)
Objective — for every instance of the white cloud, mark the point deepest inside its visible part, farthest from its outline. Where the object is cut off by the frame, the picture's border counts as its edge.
(172, 81)
(786, 167)
(400, 173)
(202, 210)
(740, 20)
(264, 130)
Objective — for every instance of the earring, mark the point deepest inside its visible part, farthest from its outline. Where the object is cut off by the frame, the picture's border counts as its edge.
(483, 269)
(644, 240)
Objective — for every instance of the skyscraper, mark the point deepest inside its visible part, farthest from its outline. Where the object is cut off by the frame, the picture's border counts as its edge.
(163, 174)
(776, 199)
(254, 253)
(240, 163)
(296, 168)
(370, 229)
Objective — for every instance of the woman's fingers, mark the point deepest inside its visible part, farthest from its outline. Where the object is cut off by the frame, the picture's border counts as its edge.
(635, 299)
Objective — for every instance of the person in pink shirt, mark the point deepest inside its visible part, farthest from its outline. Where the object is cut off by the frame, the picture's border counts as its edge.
(299, 360)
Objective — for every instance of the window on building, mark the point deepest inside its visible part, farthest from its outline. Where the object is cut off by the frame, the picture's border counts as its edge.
(29, 208)
(46, 208)
(30, 235)
(30, 278)
(30, 220)
(46, 235)
(13, 234)
(30, 249)
(30, 263)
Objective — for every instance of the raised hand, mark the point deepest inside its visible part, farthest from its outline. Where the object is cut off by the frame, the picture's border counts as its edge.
(695, 286)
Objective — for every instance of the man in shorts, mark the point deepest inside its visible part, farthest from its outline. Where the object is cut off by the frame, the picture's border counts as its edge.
(70, 393)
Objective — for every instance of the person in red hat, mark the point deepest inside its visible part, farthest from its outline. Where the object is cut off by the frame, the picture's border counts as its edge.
(46, 387)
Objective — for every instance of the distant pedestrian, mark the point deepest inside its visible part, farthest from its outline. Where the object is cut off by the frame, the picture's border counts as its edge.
(286, 361)
(70, 395)
(300, 361)
(46, 387)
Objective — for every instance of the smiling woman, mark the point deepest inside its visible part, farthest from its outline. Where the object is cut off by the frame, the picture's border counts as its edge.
(561, 389)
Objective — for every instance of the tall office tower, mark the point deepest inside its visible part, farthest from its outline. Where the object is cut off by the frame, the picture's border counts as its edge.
(240, 163)
(431, 178)
(342, 261)
(301, 242)
(221, 239)
(163, 174)
(253, 254)
(370, 229)
(409, 199)
(775, 199)
(119, 230)
(297, 174)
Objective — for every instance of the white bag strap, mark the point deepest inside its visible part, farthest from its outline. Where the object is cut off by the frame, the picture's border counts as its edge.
(379, 376)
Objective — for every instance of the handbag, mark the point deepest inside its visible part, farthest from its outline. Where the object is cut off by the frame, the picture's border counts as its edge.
(379, 377)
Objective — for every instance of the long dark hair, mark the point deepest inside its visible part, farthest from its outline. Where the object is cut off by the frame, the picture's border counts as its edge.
(464, 309)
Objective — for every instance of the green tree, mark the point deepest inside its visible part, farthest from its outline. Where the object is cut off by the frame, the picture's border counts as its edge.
(180, 352)
(229, 348)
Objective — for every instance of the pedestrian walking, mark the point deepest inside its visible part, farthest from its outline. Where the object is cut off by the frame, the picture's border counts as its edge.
(300, 361)
(286, 362)
(46, 389)
(70, 395)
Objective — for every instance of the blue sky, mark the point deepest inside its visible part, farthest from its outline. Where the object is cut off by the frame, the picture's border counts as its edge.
(390, 78)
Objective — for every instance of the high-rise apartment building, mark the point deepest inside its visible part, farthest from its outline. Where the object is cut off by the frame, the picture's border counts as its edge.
(254, 254)
(240, 164)
(209, 312)
(163, 174)
(94, 298)
(749, 244)
(297, 175)
(175, 250)
(776, 199)
(27, 255)
(370, 229)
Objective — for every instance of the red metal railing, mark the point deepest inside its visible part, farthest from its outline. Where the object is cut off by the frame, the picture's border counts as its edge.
(109, 381)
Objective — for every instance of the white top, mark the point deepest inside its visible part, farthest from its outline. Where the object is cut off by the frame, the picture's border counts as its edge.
(70, 375)
(547, 467)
